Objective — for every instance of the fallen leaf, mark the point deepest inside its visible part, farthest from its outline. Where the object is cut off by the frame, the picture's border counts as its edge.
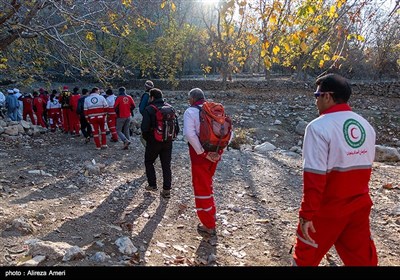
(388, 186)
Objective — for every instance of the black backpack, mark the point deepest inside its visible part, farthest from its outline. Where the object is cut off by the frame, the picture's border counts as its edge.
(166, 128)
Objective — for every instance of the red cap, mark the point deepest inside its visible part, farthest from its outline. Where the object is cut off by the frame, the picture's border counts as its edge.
(65, 88)
(41, 90)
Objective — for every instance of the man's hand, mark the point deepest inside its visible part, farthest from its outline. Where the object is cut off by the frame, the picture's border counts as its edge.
(305, 226)
(212, 156)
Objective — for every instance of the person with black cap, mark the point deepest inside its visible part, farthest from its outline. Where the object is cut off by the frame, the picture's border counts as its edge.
(124, 106)
(338, 153)
(66, 109)
(157, 148)
(74, 117)
(144, 99)
(86, 129)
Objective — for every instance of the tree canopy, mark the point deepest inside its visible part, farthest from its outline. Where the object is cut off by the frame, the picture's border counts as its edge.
(168, 39)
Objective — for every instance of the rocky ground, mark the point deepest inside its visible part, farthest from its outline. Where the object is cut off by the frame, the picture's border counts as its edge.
(57, 193)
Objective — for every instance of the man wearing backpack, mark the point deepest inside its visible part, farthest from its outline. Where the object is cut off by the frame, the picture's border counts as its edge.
(203, 163)
(159, 139)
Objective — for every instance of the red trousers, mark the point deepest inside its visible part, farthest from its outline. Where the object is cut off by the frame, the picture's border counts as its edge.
(111, 122)
(40, 120)
(202, 178)
(26, 113)
(75, 124)
(98, 125)
(350, 235)
(66, 119)
(54, 115)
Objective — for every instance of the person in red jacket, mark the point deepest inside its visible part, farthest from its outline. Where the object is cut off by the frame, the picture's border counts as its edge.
(38, 107)
(74, 117)
(124, 106)
(338, 153)
(44, 94)
(27, 101)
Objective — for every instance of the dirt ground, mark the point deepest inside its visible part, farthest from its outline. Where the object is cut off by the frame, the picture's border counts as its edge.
(257, 196)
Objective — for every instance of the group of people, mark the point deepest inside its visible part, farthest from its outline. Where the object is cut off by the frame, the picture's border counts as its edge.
(338, 153)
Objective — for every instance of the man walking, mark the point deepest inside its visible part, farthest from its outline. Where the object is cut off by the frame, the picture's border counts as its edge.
(338, 152)
(203, 166)
(124, 106)
(155, 148)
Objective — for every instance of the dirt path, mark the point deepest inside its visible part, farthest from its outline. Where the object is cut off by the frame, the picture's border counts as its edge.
(257, 200)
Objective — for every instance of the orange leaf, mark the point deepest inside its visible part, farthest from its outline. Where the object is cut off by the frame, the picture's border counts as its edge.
(388, 186)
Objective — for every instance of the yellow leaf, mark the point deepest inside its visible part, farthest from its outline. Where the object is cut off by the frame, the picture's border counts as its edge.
(105, 29)
(286, 46)
(302, 34)
(252, 39)
(272, 19)
(263, 53)
(173, 6)
(267, 62)
(321, 63)
(296, 39)
(326, 57)
(332, 11)
(90, 36)
(360, 38)
(265, 45)
(340, 3)
(276, 50)
(126, 2)
(303, 46)
(163, 4)
(275, 60)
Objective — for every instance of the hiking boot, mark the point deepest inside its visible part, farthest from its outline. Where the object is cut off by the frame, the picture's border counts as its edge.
(165, 193)
(151, 188)
(114, 140)
(126, 145)
(104, 147)
(206, 232)
(87, 140)
(98, 148)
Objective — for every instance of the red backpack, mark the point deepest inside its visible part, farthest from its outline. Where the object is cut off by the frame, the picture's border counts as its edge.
(166, 128)
(215, 126)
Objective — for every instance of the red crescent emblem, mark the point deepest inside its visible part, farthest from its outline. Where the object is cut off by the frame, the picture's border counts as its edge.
(351, 133)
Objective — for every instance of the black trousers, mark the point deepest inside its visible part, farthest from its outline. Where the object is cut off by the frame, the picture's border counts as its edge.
(85, 127)
(153, 150)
